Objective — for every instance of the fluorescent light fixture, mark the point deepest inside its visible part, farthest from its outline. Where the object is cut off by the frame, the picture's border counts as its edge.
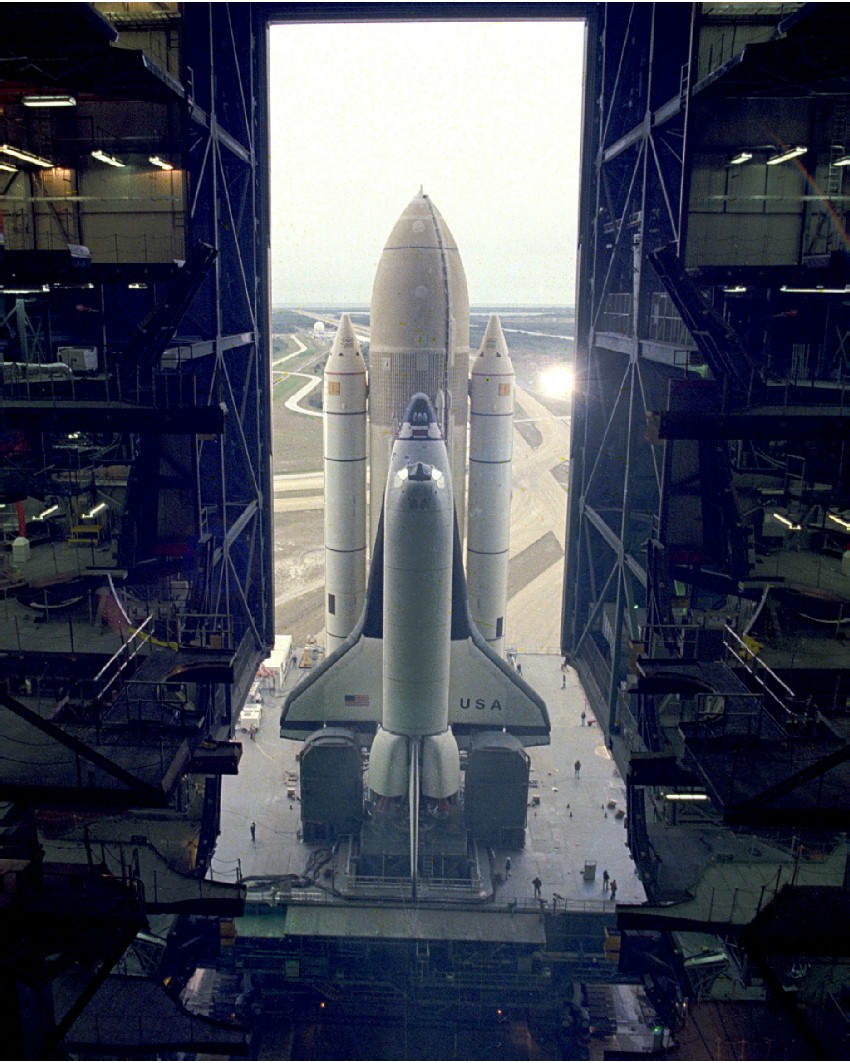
(25, 156)
(25, 291)
(137, 285)
(788, 523)
(104, 156)
(784, 156)
(842, 160)
(845, 524)
(686, 797)
(7, 168)
(93, 512)
(741, 157)
(816, 291)
(739, 289)
(56, 100)
(47, 512)
(161, 163)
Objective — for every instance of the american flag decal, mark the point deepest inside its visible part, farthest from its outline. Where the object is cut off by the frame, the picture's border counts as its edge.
(357, 701)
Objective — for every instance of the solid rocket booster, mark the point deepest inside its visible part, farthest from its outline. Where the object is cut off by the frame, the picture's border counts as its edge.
(414, 736)
(344, 424)
(419, 343)
(491, 413)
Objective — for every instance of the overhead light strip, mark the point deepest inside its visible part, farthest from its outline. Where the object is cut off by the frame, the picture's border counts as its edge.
(784, 156)
(25, 156)
(788, 523)
(161, 163)
(741, 157)
(104, 156)
(56, 100)
(816, 291)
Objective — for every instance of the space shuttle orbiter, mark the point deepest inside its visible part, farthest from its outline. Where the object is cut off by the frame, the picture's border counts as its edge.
(415, 672)
(420, 671)
(415, 664)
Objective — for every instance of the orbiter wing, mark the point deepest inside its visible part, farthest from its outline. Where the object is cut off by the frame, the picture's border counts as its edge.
(485, 693)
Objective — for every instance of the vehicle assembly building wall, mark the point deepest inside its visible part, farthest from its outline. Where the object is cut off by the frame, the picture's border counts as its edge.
(135, 417)
(708, 479)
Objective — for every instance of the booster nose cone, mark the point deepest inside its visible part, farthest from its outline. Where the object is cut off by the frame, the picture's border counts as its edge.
(346, 346)
(493, 354)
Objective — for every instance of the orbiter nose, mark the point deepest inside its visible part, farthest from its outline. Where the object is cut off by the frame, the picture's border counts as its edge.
(420, 419)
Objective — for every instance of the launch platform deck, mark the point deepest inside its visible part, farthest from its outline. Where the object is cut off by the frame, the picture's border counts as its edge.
(576, 820)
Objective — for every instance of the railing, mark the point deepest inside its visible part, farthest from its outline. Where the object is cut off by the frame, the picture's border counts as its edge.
(55, 381)
(780, 694)
(399, 890)
(616, 315)
(121, 658)
(666, 324)
(676, 640)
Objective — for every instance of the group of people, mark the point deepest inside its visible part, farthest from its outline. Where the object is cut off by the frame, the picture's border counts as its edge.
(609, 885)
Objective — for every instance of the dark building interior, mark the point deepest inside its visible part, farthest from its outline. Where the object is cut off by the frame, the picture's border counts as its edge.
(708, 560)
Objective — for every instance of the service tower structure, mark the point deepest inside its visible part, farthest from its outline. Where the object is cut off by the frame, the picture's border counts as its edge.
(491, 415)
(419, 343)
(344, 423)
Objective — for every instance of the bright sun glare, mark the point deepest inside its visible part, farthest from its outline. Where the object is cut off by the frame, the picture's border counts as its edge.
(557, 381)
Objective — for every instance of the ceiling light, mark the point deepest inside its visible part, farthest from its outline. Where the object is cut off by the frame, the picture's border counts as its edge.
(816, 291)
(738, 289)
(104, 156)
(47, 512)
(788, 523)
(25, 156)
(99, 508)
(7, 168)
(56, 100)
(686, 797)
(741, 157)
(788, 153)
(161, 163)
(842, 160)
(845, 524)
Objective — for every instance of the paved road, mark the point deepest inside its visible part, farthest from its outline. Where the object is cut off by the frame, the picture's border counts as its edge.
(294, 401)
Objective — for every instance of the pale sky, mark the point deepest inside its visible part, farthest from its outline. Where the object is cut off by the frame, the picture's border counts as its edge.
(485, 116)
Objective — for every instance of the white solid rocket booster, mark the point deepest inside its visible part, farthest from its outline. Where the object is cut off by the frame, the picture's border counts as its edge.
(491, 413)
(344, 423)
